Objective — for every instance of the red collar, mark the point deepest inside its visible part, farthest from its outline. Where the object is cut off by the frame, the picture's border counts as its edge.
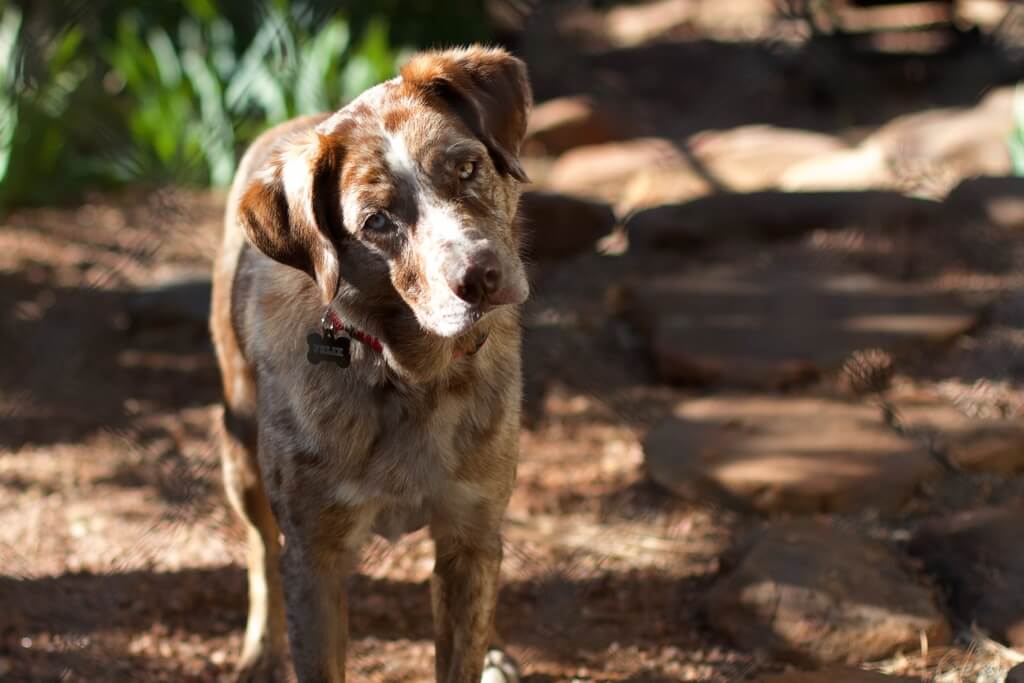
(332, 322)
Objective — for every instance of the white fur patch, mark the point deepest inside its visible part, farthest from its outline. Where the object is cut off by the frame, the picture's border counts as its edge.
(296, 175)
(499, 668)
(399, 160)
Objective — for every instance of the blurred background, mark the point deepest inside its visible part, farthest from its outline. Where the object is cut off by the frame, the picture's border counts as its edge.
(774, 354)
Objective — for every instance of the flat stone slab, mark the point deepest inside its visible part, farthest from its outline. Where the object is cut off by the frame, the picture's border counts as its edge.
(977, 557)
(933, 147)
(793, 454)
(604, 171)
(574, 121)
(769, 325)
(977, 444)
(812, 592)
(833, 674)
(690, 222)
(754, 157)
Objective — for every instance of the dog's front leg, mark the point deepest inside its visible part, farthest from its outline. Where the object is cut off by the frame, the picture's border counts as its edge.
(464, 591)
(314, 568)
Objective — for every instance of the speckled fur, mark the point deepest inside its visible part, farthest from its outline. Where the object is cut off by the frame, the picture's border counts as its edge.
(411, 437)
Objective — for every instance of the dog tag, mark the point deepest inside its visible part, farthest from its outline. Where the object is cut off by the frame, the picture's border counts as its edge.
(328, 348)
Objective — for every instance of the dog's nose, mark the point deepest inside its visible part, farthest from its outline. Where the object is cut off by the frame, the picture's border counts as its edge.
(478, 280)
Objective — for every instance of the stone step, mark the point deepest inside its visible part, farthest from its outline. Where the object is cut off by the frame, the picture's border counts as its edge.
(812, 592)
(783, 453)
(780, 320)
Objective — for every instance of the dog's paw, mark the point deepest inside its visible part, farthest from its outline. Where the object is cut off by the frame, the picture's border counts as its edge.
(499, 667)
(259, 669)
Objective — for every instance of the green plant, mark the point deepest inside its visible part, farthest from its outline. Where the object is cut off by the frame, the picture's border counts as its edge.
(1016, 140)
(34, 110)
(121, 92)
(192, 102)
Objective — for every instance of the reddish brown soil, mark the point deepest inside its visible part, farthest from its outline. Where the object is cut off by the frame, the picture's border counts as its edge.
(120, 561)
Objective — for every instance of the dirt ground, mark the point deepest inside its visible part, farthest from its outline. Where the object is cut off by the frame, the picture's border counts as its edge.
(120, 560)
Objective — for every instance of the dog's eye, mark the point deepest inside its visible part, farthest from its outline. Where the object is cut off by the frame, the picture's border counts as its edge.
(377, 222)
(467, 169)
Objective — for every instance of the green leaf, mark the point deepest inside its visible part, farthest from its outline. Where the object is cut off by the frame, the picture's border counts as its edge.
(8, 126)
(65, 48)
(376, 48)
(222, 48)
(10, 26)
(165, 56)
(318, 58)
(219, 142)
(1016, 146)
(1015, 143)
(252, 62)
(204, 10)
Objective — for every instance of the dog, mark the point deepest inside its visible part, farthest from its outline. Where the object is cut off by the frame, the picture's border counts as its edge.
(365, 318)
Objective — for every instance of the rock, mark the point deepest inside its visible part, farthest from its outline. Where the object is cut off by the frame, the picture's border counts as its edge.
(631, 25)
(861, 168)
(811, 592)
(975, 556)
(652, 187)
(750, 158)
(646, 172)
(557, 226)
(537, 169)
(791, 454)
(772, 322)
(771, 216)
(971, 138)
(972, 443)
(998, 200)
(833, 674)
(603, 171)
(566, 122)
(925, 152)
(176, 298)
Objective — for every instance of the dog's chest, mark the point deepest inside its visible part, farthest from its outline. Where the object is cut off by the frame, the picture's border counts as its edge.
(392, 451)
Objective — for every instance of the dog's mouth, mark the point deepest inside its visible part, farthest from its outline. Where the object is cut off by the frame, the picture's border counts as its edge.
(454, 317)
(456, 324)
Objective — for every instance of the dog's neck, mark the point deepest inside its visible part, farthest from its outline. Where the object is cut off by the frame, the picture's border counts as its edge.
(333, 322)
(395, 344)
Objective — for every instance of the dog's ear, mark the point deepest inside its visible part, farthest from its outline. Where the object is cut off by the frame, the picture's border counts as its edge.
(488, 89)
(291, 209)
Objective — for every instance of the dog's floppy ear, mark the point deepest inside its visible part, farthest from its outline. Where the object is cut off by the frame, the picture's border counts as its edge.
(291, 209)
(488, 89)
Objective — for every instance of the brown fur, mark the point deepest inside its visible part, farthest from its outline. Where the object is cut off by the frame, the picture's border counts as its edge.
(420, 434)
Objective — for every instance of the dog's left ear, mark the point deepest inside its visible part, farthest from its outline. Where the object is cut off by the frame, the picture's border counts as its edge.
(290, 210)
(488, 89)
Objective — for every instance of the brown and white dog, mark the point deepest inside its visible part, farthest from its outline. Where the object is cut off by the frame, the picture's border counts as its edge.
(394, 219)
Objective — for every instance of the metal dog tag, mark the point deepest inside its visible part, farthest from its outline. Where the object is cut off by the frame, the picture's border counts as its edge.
(328, 348)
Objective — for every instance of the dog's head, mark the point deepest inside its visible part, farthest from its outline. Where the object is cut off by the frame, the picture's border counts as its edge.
(411, 189)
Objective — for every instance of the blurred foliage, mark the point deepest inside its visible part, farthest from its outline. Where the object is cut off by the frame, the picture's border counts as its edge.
(1016, 141)
(119, 92)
